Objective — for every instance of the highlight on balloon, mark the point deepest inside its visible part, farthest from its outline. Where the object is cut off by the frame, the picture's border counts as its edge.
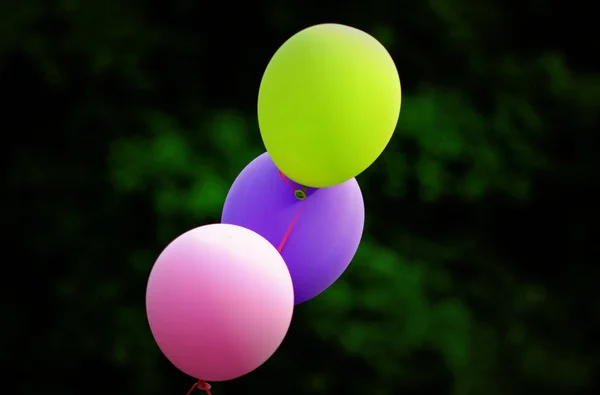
(220, 297)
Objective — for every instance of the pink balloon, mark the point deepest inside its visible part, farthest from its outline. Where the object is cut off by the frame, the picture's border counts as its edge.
(219, 301)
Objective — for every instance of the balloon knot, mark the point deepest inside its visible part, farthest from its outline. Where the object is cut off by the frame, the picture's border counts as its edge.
(300, 194)
(202, 386)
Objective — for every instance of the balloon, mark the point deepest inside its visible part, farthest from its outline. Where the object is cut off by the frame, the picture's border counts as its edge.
(219, 301)
(328, 104)
(324, 236)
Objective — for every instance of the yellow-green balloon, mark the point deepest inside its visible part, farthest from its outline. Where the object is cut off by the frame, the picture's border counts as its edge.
(328, 104)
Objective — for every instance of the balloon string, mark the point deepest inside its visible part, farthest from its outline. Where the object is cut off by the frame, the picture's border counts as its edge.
(202, 386)
(286, 180)
(289, 230)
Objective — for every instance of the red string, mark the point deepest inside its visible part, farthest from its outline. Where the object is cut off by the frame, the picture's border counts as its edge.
(202, 386)
(289, 230)
(286, 180)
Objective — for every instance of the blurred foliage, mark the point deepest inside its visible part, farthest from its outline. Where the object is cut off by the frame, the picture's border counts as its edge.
(127, 123)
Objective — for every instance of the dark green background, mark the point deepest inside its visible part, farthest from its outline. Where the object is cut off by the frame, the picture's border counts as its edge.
(125, 122)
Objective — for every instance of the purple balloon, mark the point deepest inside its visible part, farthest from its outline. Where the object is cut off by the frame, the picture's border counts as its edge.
(325, 236)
